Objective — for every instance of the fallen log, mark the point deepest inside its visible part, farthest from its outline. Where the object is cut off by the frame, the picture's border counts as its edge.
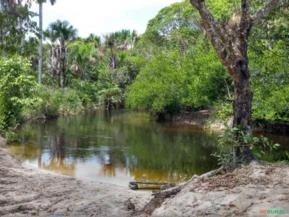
(150, 185)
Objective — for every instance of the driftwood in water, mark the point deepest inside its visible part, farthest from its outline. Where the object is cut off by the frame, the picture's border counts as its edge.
(150, 185)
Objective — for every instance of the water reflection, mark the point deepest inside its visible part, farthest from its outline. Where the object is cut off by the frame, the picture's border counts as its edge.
(117, 148)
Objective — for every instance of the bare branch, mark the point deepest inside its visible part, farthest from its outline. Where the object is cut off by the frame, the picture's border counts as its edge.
(265, 11)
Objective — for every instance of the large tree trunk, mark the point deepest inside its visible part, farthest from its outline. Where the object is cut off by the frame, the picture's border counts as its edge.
(242, 110)
(243, 99)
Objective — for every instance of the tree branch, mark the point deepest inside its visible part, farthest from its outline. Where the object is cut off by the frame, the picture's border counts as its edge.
(217, 33)
(265, 11)
(245, 26)
(244, 15)
(211, 26)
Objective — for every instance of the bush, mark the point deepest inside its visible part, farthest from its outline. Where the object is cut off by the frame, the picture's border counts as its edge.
(15, 86)
(87, 92)
(228, 144)
(159, 86)
(50, 103)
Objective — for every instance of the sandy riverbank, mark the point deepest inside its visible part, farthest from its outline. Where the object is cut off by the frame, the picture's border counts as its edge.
(248, 191)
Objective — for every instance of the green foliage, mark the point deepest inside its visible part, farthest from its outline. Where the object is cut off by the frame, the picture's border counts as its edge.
(269, 54)
(226, 146)
(110, 97)
(273, 106)
(223, 9)
(223, 110)
(230, 140)
(87, 92)
(15, 22)
(60, 30)
(15, 86)
(172, 81)
(174, 27)
(82, 58)
(44, 105)
(158, 87)
(170, 68)
(50, 103)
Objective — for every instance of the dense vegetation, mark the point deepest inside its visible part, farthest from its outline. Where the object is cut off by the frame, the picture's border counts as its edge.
(169, 69)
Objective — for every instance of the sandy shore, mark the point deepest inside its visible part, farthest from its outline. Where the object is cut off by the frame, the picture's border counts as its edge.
(254, 190)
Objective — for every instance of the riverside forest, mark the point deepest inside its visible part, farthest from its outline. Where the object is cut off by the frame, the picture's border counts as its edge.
(188, 118)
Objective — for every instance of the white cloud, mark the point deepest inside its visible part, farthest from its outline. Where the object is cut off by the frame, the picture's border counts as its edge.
(100, 17)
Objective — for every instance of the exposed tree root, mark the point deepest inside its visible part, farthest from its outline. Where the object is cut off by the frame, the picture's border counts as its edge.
(160, 196)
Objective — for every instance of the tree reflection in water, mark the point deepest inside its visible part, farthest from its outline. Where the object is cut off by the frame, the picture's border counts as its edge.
(57, 161)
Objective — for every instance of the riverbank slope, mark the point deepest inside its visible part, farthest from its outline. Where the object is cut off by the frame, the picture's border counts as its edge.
(251, 191)
(205, 119)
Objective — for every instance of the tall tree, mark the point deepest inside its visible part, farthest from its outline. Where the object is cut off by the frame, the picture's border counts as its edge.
(230, 41)
(40, 49)
(15, 23)
(60, 32)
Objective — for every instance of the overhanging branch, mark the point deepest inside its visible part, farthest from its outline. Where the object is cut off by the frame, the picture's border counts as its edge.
(217, 33)
(265, 11)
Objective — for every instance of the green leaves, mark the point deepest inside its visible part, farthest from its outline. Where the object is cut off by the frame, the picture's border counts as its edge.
(269, 66)
(229, 141)
(61, 30)
(15, 85)
(171, 81)
(15, 23)
(223, 9)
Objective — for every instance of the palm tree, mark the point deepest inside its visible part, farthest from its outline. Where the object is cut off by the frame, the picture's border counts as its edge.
(60, 32)
(120, 40)
(93, 38)
(40, 60)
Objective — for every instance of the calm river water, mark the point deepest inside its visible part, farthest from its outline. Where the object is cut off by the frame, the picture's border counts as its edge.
(117, 148)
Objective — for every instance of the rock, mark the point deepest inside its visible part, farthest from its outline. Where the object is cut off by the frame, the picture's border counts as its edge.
(130, 205)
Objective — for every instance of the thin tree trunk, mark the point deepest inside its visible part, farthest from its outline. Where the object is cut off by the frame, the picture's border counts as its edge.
(40, 49)
(62, 65)
(112, 59)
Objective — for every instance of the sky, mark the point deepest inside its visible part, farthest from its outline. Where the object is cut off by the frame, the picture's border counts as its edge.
(103, 16)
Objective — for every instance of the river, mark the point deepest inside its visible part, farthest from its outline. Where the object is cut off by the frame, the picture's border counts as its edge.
(117, 148)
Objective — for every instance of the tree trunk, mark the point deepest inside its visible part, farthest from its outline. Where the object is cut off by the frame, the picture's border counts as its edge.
(242, 109)
(230, 41)
(62, 77)
(40, 49)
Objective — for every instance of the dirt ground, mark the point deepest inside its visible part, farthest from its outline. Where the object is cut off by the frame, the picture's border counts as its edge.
(254, 190)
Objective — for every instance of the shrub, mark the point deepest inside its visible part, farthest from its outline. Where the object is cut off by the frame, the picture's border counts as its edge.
(172, 81)
(15, 86)
(227, 145)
